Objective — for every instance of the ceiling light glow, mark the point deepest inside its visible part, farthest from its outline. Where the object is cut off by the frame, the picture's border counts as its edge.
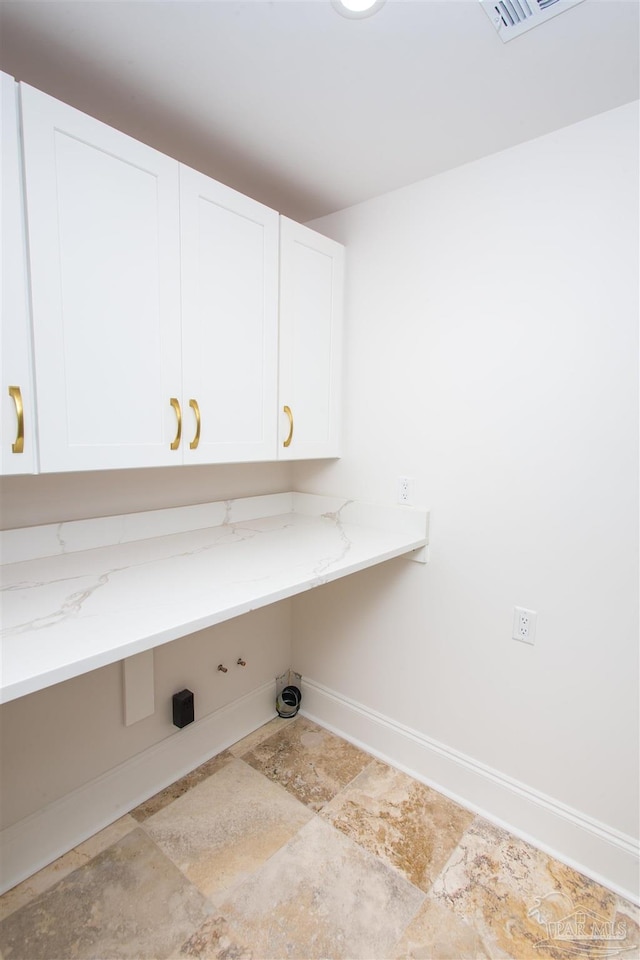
(355, 9)
(358, 6)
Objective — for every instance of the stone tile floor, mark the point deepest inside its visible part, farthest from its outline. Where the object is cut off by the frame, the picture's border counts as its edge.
(294, 843)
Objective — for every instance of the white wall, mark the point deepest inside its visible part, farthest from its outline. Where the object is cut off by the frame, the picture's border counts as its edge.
(492, 355)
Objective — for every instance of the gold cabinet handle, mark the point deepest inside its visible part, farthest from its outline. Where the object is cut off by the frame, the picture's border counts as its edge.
(287, 442)
(196, 409)
(16, 395)
(176, 406)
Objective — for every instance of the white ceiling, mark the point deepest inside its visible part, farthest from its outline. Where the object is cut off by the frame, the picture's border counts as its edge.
(310, 112)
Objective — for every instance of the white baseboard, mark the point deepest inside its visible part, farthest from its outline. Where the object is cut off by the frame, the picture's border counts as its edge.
(36, 841)
(594, 849)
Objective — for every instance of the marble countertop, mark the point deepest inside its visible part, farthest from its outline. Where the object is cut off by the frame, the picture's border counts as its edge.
(83, 594)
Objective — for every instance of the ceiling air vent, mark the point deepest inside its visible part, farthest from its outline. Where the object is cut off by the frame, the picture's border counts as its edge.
(513, 17)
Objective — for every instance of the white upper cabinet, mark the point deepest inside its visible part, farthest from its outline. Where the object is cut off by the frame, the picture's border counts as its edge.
(173, 319)
(311, 306)
(18, 419)
(229, 246)
(103, 216)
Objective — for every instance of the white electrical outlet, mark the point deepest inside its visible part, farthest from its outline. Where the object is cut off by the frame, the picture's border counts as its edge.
(405, 493)
(524, 624)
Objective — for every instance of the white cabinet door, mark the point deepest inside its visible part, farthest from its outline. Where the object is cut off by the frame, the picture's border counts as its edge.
(103, 218)
(18, 419)
(311, 305)
(229, 247)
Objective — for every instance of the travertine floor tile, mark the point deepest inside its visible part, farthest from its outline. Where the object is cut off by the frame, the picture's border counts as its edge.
(405, 823)
(225, 828)
(322, 896)
(522, 902)
(436, 933)
(46, 878)
(162, 799)
(214, 940)
(628, 918)
(259, 736)
(227, 865)
(128, 902)
(309, 762)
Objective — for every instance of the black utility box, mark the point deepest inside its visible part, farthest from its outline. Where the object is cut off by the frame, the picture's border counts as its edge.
(183, 712)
